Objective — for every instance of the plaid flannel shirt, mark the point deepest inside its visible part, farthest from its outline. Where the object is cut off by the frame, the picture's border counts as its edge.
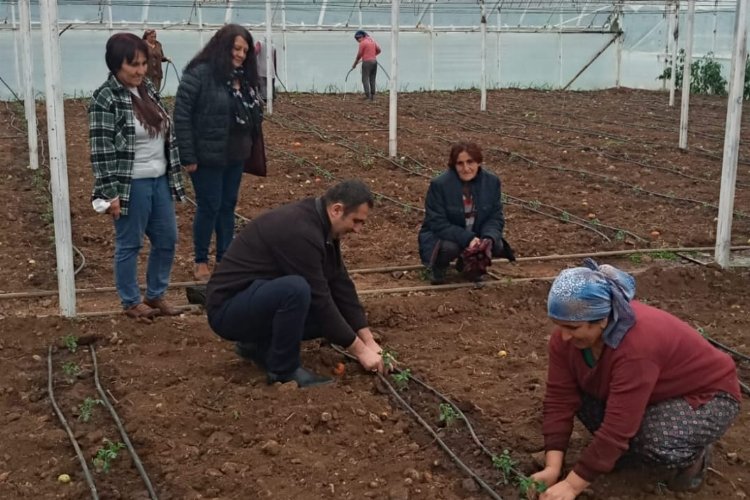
(112, 140)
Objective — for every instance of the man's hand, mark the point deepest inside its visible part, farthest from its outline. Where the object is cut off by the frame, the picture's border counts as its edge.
(365, 334)
(474, 242)
(190, 168)
(370, 360)
(114, 208)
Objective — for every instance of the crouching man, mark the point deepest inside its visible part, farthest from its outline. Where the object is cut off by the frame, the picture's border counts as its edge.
(283, 281)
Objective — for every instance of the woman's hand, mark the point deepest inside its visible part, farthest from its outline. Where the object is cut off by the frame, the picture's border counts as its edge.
(560, 491)
(548, 476)
(190, 168)
(114, 208)
(474, 242)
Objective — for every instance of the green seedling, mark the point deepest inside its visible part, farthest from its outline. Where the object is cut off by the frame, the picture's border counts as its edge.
(401, 378)
(665, 255)
(565, 217)
(702, 331)
(86, 409)
(448, 414)
(71, 342)
(389, 358)
(106, 454)
(407, 208)
(535, 204)
(620, 235)
(595, 222)
(71, 369)
(527, 485)
(635, 258)
(505, 464)
(236, 414)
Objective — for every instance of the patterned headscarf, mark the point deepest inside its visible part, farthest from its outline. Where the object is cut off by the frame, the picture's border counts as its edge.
(592, 293)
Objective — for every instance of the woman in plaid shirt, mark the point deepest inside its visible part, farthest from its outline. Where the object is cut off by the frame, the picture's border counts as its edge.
(136, 174)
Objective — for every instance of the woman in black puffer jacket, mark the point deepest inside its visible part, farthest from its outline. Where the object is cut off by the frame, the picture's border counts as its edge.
(217, 117)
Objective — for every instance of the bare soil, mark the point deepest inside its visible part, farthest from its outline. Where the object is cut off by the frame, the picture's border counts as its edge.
(583, 172)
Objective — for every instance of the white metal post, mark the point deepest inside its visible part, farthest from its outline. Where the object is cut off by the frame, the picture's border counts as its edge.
(322, 15)
(499, 58)
(393, 105)
(432, 48)
(618, 44)
(732, 137)
(674, 31)
(283, 40)
(228, 13)
(144, 13)
(200, 24)
(685, 108)
(57, 157)
(110, 24)
(269, 59)
(716, 25)
(29, 103)
(16, 51)
(560, 52)
(483, 56)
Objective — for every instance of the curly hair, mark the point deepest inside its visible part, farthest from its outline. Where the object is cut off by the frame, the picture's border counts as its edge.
(218, 53)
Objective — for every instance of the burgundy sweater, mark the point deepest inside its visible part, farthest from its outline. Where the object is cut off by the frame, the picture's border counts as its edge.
(660, 358)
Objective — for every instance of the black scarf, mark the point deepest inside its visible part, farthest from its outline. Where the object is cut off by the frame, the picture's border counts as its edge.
(246, 107)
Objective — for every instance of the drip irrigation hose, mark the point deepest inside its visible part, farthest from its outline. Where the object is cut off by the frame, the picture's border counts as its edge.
(68, 430)
(428, 427)
(123, 433)
(386, 269)
(729, 350)
(384, 71)
(10, 89)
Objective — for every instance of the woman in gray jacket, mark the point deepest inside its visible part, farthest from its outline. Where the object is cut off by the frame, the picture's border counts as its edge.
(217, 117)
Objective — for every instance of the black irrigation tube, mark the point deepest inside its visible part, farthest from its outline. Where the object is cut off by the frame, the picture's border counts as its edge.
(68, 430)
(742, 357)
(487, 488)
(525, 204)
(123, 433)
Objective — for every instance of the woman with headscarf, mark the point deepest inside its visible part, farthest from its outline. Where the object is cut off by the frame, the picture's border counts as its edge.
(137, 175)
(641, 380)
(155, 58)
(368, 53)
(217, 117)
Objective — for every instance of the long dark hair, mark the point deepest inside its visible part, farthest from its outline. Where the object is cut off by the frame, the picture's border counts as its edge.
(218, 54)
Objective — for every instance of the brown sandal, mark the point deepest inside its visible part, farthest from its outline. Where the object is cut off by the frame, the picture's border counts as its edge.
(141, 312)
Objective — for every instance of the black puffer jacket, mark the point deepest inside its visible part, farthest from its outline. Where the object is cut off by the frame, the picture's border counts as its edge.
(202, 117)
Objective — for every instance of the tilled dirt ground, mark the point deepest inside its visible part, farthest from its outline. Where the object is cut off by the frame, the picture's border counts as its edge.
(582, 173)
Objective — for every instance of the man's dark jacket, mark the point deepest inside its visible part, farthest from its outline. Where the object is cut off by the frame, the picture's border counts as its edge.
(293, 239)
(444, 212)
(203, 117)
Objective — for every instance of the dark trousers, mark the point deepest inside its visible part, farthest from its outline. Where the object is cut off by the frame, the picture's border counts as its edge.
(369, 72)
(216, 192)
(450, 251)
(272, 314)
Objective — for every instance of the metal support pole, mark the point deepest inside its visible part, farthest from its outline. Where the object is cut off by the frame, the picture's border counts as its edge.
(57, 157)
(29, 103)
(322, 15)
(617, 26)
(685, 109)
(283, 40)
(270, 73)
(432, 48)
(393, 107)
(144, 13)
(674, 33)
(200, 24)
(732, 136)
(483, 71)
(16, 51)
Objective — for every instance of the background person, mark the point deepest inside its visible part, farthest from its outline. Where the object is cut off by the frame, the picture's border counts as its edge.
(641, 380)
(463, 210)
(367, 53)
(155, 58)
(283, 281)
(136, 174)
(217, 118)
(261, 49)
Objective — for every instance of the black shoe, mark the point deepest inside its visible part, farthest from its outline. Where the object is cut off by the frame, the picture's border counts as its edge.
(437, 276)
(691, 477)
(251, 352)
(303, 377)
(196, 294)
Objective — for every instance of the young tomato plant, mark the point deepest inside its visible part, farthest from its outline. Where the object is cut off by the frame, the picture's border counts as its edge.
(86, 409)
(70, 342)
(71, 369)
(401, 379)
(448, 414)
(389, 358)
(106, 454)
(505, 464)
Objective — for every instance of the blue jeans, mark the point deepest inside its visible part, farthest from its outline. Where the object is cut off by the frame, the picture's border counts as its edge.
(150, 212)
(273, 315)
(216, 190)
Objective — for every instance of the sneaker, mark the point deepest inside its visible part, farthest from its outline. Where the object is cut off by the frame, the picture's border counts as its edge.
(437, 276)
(303, 377)
(691, 477)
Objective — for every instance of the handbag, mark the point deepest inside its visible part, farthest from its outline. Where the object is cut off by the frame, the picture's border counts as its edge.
(255, 164)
